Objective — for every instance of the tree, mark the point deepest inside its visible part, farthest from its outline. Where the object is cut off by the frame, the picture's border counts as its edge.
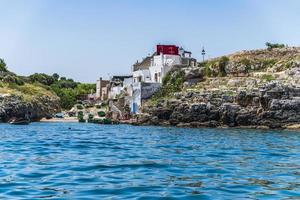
(42, 78)
(55, 76)
(67, 97)
(274, 45)
(3, 67)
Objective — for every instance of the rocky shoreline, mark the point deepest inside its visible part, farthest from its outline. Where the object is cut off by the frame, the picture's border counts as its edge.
(13, 106)
(274, 106)
(256, 89)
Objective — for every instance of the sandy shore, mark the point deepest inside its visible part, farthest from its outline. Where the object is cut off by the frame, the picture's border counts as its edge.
(66, 119)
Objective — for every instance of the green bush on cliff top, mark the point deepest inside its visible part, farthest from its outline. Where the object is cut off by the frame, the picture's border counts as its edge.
(3, 67)
(172, 82)
(67, 90)
(274, 45)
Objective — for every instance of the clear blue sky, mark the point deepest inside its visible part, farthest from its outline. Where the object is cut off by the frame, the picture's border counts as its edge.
(86, 39)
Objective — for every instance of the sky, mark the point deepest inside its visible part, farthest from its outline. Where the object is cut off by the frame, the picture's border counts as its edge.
(88, 39)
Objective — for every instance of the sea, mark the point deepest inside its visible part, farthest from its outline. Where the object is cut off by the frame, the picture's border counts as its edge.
(89, 161)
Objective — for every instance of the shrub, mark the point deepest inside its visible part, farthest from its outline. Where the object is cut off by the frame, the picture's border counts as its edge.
(101, 114)
(81, 120)
(79, 107)
(271, 46)
(247, 63)
(173, 82)
(80, 117)
(103, 104)
(268, 77)
(222, 65)
(3, 67)
(268, 62)
(98, 121)
(90, 118)
(42, 78)
(55, 76)
(79, 114)
(107, 121)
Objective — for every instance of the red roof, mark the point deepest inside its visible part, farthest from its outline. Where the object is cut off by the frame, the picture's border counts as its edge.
(167, 49)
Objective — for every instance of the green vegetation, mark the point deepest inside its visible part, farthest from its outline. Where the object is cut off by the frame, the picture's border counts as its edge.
(80, 117)
(3, 67)
(222, 65)
(268, 77)
(42, 78)
(271, 46)
(40, 84)
(207, 69)
(172, 82)
(107, 121)
(90, 118)
(247, 63)
(68, 90)
(216, 67)
(79, 107)
(101, 114)
(268, 63)
(100, 121)
(12, 84)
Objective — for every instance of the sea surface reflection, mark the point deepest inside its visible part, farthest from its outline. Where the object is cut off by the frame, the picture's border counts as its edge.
(86, 161)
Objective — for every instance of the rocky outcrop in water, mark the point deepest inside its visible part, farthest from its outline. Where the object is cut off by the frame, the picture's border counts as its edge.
(258, 89)
(13, 106)
(274, 106)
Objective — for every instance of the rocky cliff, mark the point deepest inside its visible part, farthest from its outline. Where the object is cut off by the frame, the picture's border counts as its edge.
(15, 106)
(18, 98)
(258, 89)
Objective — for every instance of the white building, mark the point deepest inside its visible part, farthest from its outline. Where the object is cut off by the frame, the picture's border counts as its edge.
(161, 65)
(153, 68)
(148, 74)
(119, 85)
(141, 91)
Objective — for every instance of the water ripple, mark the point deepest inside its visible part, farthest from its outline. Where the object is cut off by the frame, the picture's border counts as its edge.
(87, 161)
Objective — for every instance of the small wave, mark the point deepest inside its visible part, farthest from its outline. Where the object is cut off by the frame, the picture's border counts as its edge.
(120, 166)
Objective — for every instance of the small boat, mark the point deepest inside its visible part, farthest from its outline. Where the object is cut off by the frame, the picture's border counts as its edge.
(20, 121)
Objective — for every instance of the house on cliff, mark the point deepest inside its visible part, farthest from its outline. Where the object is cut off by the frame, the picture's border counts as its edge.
(146, 78)
(149, 73)
(118, 85)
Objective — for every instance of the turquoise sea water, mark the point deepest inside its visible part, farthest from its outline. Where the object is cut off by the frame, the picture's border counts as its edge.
(86, 161)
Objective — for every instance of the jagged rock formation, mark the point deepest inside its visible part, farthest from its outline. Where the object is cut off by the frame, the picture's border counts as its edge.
(252, 88)
(19, 98)
(15, 106)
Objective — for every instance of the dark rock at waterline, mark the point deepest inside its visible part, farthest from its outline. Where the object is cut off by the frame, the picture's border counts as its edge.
(273, 106)
(13, 106)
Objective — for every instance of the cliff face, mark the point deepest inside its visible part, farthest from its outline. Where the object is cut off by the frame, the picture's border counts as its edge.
(39, 107)
(252, 88)
(18, 98)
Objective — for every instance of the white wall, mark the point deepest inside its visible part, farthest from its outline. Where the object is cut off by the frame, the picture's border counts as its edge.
(144, 74)
(166, 60)
(98, 89)
(114, 91)
(162, 64)
(142, 91)
(127, 82)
